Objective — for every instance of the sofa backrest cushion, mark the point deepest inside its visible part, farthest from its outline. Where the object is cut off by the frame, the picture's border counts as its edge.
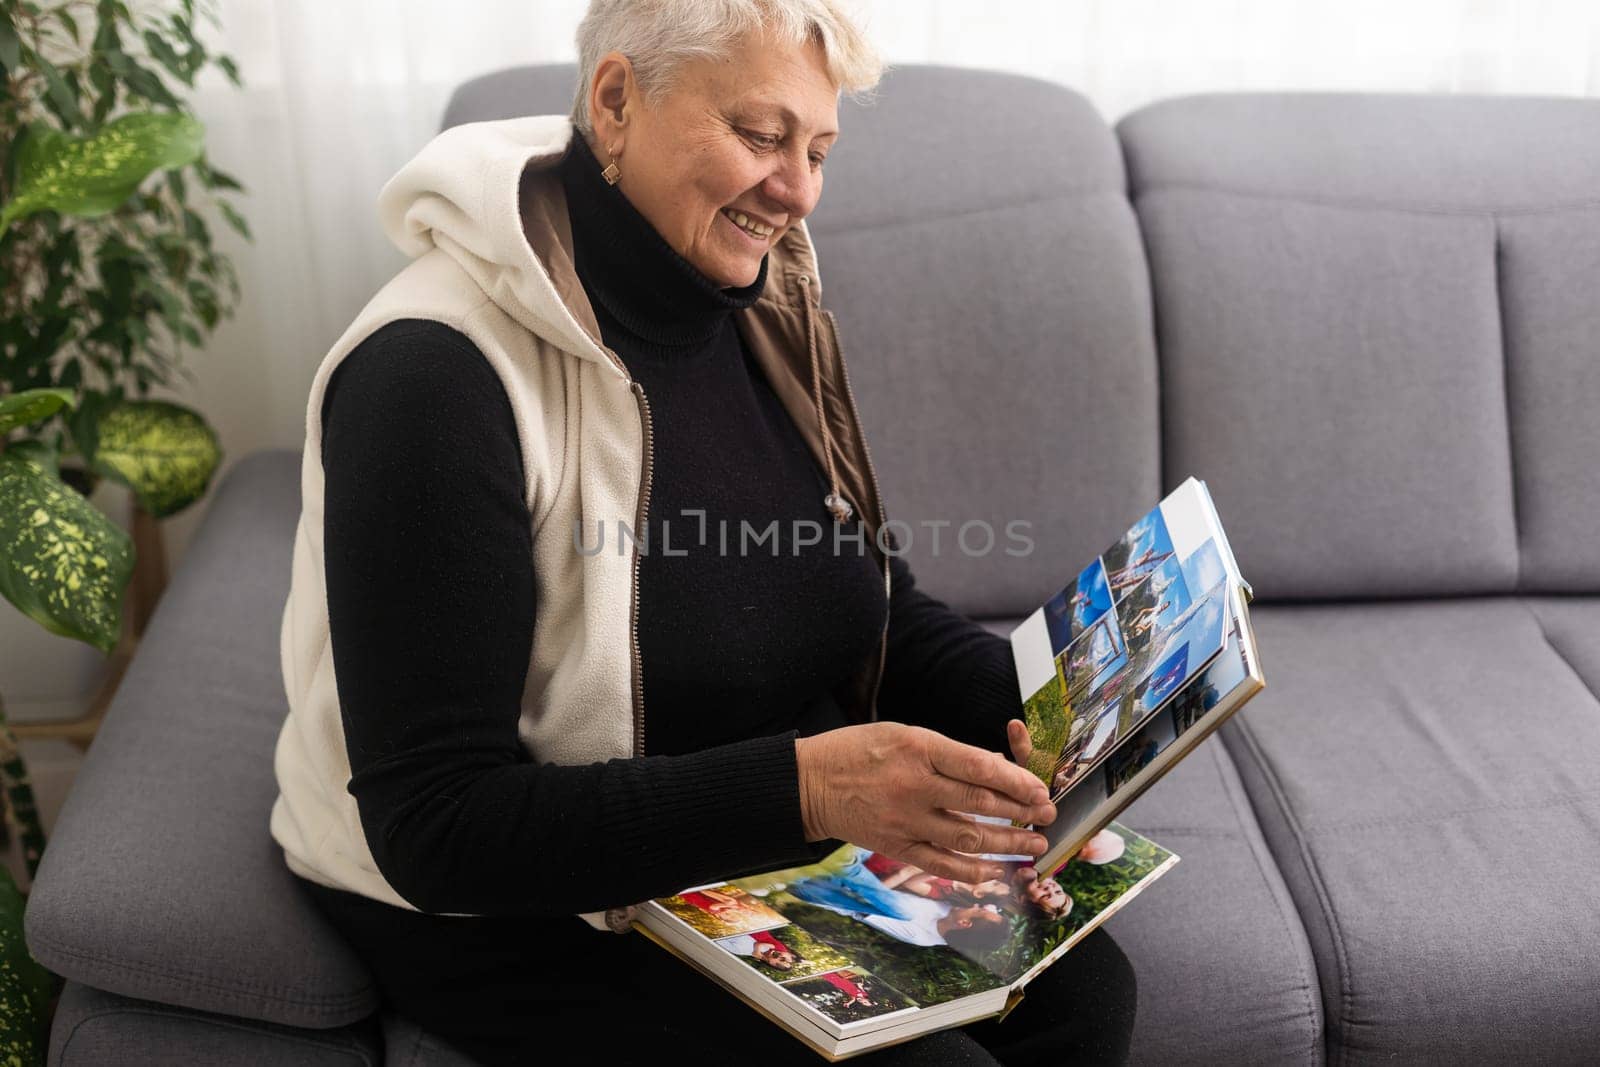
(1378, 333)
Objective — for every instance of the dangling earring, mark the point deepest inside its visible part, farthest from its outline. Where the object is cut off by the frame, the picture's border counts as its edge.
(611, 173)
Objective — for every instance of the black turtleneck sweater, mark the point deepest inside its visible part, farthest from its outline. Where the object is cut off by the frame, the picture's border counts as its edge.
(739, 650)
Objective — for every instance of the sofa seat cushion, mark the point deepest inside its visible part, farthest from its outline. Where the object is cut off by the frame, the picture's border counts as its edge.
(1224, 970)
(1425, 774)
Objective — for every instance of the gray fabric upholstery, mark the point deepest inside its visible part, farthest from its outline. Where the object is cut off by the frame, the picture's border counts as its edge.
(1330, 337)
(161, 881)
(1549, 261)
(1424, 773)
(546, 89)
(408, 1045)
(977, 401)
(94, 1029)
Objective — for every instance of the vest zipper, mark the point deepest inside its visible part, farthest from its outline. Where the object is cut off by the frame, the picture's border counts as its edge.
(633, 604)
(872, 475)
(641, 513)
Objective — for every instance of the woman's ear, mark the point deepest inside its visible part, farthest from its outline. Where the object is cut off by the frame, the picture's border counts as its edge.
(611, 99)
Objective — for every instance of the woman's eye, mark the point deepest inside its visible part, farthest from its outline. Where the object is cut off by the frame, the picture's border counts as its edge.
(765, 140)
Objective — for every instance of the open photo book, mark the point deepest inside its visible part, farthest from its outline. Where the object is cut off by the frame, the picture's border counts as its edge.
(1144, 653)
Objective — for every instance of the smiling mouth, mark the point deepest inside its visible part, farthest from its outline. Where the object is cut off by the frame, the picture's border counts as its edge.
(760, 231)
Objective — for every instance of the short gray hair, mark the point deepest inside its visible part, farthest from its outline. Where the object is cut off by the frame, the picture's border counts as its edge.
(658, 36)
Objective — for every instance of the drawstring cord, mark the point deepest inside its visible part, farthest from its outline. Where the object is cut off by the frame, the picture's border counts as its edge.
(836, 504)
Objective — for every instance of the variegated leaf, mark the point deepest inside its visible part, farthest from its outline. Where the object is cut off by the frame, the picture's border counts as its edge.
(166, 453)
(95, 174)
(31, 405)
(62, 562)
(24, 985)
(43, 457)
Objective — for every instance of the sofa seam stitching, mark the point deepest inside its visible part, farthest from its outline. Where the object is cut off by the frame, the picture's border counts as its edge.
(986, 209)
(1505, 394)
(1421, 208)
(223, 1024)
(1424, 820)
(1545, 635)
(344, 1000)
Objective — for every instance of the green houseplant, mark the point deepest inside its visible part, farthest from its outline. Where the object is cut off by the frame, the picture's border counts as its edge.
(107, 272)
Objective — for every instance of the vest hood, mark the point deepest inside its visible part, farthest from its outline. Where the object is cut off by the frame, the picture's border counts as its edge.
(462, 193)
(487, 194)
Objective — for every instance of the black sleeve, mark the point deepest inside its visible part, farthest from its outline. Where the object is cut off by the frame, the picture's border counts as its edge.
(429, 569)
(944, 671)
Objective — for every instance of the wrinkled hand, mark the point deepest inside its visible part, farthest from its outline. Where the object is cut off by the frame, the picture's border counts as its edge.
(900, 790)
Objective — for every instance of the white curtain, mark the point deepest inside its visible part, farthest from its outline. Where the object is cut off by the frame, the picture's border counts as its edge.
(338, 95)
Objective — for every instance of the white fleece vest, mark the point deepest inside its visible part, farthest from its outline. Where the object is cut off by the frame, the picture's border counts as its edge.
(470, 210)
(455, 210)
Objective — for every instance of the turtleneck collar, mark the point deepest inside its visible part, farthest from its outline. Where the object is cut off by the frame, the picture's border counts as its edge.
(638, 283)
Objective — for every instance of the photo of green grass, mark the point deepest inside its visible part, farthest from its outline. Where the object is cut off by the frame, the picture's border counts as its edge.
(1049, 721)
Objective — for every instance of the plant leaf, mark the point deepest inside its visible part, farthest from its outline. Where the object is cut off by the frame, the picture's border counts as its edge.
(65, 18)
(24, 985)
(167, 56)
(141, 80)
(234, 219)
(93, 175)
(217, 179)
(59, 93)
(45, 458)
(23, 812)
(31, 405)
(164, 452)
(62, 563)
(10, 43)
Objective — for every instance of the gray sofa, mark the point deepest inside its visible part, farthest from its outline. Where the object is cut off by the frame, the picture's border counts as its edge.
(1369, 321)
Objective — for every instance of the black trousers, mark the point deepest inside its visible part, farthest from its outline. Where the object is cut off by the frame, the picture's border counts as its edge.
(515, 990)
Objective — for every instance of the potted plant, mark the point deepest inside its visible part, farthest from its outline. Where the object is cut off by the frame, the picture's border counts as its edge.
(107, 272)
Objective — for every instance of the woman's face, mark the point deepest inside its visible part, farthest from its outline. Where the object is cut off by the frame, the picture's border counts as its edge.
(745, 136)
(1047, 894)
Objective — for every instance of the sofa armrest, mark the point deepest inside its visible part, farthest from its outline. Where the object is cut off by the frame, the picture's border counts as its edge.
(161, 881)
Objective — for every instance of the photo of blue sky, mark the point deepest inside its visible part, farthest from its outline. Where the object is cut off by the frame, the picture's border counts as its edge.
(1077, 607)
(1155, 605)
(1165, 680)
(1145, 546)
(1203, 569)
(1198, 634)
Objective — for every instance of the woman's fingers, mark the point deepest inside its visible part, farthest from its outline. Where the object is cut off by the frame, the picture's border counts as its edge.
(966, 763)
(976, 799)
(956, 833)
(1021, 741)
(947, 864)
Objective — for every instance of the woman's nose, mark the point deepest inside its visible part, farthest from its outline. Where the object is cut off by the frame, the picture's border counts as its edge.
(794, 185)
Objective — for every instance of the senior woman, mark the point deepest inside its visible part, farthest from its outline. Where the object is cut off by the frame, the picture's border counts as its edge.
(498, 721)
